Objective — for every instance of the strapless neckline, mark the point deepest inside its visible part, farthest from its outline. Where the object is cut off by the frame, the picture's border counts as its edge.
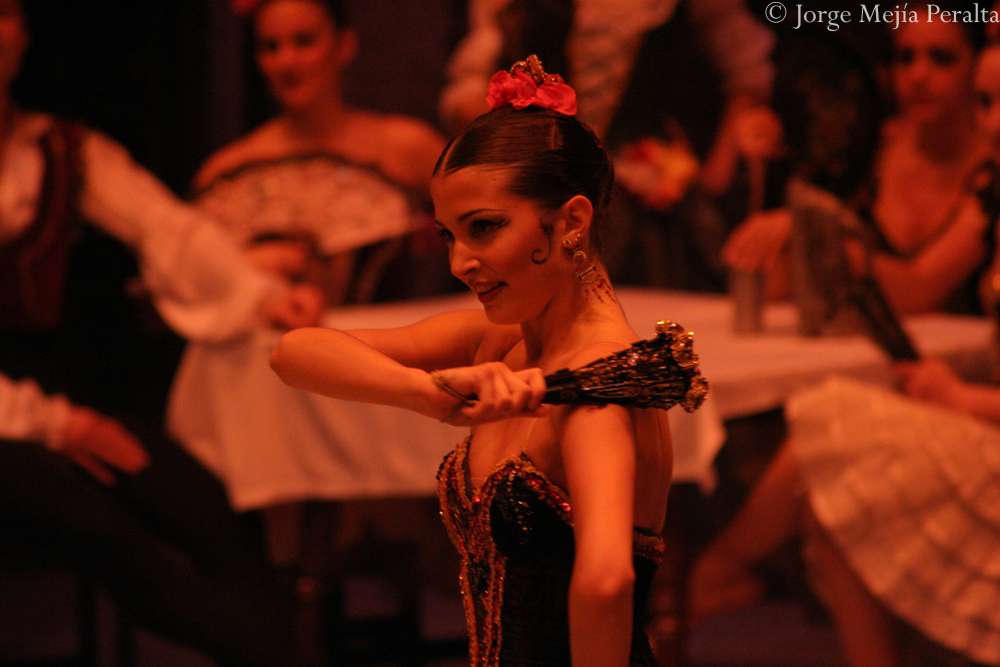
(472, 496)
(472, 493)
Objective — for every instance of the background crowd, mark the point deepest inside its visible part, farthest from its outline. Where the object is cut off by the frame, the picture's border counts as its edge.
(168, 174)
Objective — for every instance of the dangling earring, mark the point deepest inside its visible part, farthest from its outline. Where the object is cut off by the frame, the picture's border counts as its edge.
(587, 272)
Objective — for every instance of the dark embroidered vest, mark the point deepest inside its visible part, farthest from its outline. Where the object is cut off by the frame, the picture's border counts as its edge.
(67, 319)
(34, 264)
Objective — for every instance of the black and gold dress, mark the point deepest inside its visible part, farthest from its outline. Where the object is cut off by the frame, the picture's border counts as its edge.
(515, 539)
(515, 533)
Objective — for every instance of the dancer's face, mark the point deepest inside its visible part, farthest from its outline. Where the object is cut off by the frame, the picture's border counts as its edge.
(932, 70)
(300, 51)
(504, 247)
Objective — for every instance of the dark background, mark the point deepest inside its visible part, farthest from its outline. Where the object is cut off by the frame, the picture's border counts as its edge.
(174, 80)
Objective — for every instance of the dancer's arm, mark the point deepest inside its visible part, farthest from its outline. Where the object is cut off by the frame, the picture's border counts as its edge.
(598, 452)
(924, 283)
(934, 380)
(598, 449)
(392, 367)
(387, 367)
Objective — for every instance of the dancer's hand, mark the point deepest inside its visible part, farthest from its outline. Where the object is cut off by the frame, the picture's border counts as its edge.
(300, 306)
(931, 380)
(100, 445)
(499, 393)
(757, 133)
(759, 242)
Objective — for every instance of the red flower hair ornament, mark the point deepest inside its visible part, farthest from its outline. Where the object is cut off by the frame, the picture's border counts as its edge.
(527, 84)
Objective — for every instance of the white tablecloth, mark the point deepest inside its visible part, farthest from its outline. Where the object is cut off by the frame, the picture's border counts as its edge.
(270, 443)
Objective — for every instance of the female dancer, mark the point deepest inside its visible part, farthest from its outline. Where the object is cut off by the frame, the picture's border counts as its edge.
(555, 510)
(323, 191)
(333, 196)
(925, 247)
(895, 498)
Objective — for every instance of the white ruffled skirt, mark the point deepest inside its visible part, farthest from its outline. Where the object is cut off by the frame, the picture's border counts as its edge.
(911, 492)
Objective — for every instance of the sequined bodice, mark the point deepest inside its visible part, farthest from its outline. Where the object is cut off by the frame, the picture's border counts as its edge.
(515, 539)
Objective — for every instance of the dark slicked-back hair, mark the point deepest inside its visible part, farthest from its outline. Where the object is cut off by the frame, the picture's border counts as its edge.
(552, 158)
(336, 8)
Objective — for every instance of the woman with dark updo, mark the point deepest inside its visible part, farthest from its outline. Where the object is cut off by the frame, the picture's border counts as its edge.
(325, 194)
(555, 510)
(322, 192)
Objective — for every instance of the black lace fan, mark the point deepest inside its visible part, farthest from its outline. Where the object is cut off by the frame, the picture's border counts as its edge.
(883, 325)
(656, 373)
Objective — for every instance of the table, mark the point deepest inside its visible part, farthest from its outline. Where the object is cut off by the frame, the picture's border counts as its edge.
(270, 443)
(752, 373)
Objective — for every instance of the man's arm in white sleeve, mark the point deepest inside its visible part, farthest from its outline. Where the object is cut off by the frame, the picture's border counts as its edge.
(201, 281)
(27, 414)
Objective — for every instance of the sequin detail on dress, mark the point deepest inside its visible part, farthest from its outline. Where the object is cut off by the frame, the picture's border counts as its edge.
(515, 539)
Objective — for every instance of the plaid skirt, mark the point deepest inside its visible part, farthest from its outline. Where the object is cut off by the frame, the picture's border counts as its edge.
(911, 493)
